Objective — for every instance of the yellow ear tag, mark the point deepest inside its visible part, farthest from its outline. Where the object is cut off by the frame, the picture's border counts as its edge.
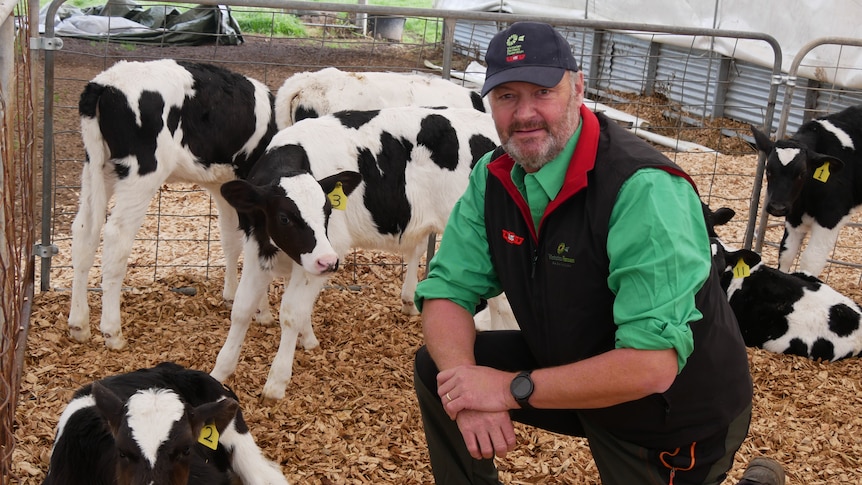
(209, 436)
(822, 172)
(741, 270)
(337, 197)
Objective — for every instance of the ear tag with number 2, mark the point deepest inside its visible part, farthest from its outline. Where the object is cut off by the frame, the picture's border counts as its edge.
(822, 172)
(337, 197)
(209, 436)
(741, 270)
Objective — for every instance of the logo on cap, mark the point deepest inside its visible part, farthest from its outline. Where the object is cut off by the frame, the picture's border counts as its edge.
(514, 51)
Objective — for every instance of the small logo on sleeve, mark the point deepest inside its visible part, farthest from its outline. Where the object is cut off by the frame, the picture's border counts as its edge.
(512, 238)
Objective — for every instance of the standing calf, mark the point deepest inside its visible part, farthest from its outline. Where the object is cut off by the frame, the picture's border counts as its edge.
(145, 124)
(317, 93)
(814, 180)
(165, 425)
(403, 170)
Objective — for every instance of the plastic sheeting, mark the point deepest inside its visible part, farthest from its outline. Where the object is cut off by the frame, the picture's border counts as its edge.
(793, 23)
(125, 21)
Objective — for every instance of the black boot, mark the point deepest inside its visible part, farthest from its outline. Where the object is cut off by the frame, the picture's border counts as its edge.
(763, 471)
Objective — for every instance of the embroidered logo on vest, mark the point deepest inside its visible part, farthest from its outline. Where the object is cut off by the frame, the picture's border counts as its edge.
(512, 238)
(560, 259)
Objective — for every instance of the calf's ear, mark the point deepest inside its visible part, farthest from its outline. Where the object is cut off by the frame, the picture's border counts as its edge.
(218, 412)
(750, 257)
(243, 196)
(349, 181)
(816, 160)
(762, 140)
(109, 405)
(722, 216)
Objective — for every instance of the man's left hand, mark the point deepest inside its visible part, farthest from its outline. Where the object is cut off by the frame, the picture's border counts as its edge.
(476, 388)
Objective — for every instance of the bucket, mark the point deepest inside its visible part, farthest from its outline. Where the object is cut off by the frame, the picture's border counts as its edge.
(391, 28)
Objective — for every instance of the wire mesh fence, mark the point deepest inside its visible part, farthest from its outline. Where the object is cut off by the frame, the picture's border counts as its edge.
(17, 151)
(675, 97)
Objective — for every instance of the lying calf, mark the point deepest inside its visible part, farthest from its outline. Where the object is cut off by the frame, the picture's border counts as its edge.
(790, 313)
(166, 425)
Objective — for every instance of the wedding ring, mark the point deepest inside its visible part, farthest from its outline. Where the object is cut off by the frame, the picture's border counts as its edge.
(448, 397)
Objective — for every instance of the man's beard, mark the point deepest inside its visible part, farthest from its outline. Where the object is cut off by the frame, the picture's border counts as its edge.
(533, 157)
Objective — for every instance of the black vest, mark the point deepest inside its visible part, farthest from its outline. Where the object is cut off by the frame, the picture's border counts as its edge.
(557, 286)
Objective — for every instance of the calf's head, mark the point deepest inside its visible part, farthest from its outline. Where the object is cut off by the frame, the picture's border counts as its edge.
(790, 164)
(155, 433)
(293, 214)
(718, 217)
(729, 260)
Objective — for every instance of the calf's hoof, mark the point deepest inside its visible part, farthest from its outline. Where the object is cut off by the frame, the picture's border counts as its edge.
(115, 342)
(409, 308)
(309, 342)
(79, 333)
(265, 318)
(273, 393)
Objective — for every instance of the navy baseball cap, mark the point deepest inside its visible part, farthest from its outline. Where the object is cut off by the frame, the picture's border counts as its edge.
(531, 52)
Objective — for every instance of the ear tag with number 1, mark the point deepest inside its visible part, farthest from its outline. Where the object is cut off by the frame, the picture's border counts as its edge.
(209, 436)
(741, 270)
(822, 172)
(337, 197)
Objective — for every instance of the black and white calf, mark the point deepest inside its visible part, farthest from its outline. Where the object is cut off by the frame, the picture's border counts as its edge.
(316, 93)
(149, 123)
(165, 425)
(790, 313)
(814, 180)
(382, 179)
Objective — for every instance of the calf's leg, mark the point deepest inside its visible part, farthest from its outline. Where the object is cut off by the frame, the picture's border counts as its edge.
(820, 244)
(123, 223)
(411, 278)
(252, 283)
(86, 231)
(247, 459)
(790, 244)
(297, 303)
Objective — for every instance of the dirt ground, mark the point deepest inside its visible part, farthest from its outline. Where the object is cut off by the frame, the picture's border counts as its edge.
(350, 416)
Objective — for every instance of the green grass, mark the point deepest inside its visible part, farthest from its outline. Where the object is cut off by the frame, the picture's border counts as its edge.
(266, 22)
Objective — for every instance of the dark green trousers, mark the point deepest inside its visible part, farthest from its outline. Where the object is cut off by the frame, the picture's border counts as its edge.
(705, 462)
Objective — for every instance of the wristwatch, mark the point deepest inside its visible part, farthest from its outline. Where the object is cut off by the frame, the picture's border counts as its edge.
(522, 388)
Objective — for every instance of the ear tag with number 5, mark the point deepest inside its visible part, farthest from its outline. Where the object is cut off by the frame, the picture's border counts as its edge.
(741, 270)
(822, 172)
(337, 197)
(209, 436)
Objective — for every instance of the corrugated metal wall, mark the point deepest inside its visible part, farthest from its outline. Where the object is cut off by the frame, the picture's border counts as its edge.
(702, 83)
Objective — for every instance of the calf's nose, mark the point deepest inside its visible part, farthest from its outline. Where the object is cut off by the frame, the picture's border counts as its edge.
(327, 264)
(776, 209)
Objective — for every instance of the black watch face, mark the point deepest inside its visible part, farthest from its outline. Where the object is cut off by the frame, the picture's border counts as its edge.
(522, 387)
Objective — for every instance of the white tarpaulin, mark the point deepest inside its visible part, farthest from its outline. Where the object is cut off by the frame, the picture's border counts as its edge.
(793, 23)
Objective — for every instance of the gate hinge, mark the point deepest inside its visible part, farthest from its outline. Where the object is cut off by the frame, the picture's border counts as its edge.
(780, 79)
(45, 251)
(46, 43)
